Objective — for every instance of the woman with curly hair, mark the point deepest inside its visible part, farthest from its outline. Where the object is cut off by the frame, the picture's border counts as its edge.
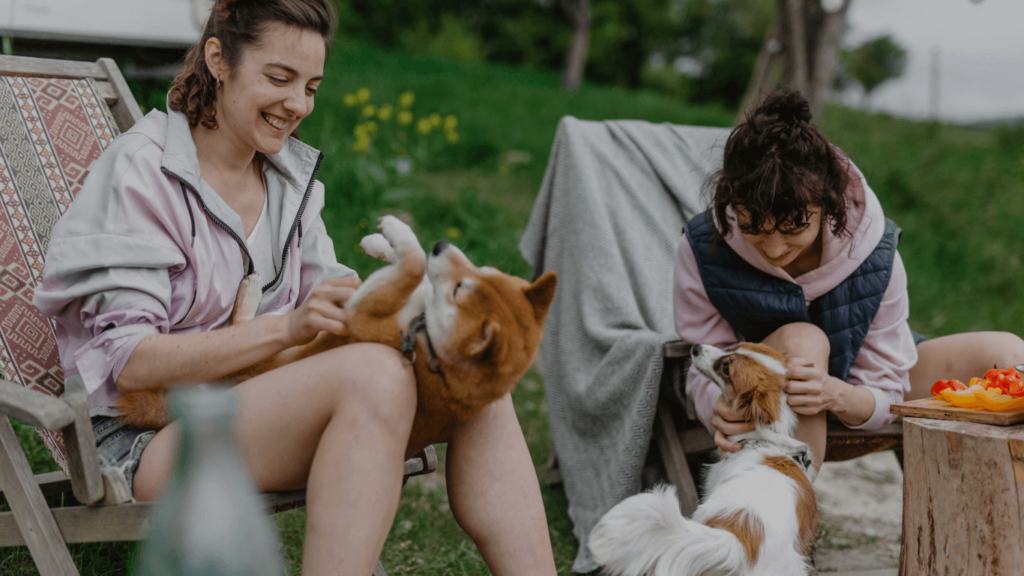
(796, 253)
(142, 274)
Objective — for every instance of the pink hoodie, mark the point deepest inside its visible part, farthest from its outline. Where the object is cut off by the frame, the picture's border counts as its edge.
(888, 351)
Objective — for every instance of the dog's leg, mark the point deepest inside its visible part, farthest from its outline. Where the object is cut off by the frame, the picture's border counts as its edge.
(377, 246)
(388, 289)
(248, 299)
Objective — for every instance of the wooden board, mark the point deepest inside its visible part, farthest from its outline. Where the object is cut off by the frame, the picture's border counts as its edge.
(942, 410)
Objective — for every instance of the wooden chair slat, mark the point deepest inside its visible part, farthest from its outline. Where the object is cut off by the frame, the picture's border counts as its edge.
(126, 110)
(28, 507)
(106, 91)
(87, 524)
(83, 461)
(44, 67)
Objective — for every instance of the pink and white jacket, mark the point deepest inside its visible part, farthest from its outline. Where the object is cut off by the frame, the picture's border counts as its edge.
(147, 247)
(888, 352)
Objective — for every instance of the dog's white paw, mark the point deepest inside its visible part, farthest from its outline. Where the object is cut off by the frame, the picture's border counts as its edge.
(377, 246)
(398, 234)
(249, 293)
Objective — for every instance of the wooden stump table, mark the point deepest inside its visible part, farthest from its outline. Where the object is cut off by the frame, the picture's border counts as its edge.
(963, 498)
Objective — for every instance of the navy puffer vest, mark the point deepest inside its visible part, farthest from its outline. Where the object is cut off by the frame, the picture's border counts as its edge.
(756, 304)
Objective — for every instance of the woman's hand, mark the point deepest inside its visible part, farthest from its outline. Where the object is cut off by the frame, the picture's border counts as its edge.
(728, 423)
(323, 310)
(811, 390)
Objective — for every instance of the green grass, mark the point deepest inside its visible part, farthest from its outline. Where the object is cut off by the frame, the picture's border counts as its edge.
(955, 192)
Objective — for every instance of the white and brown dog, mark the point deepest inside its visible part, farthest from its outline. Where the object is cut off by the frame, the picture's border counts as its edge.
(758, 516)
(470, 333)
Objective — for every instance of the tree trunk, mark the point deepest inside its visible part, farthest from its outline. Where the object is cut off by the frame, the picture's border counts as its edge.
(765, 76)
(576, 59)
(794, 44)
(826, 54)
(961, 498)
(809, 38)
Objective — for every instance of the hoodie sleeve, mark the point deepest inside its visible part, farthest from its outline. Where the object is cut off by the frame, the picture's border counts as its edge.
(888, 352)
(106, 281)
(698, 321)
(319, 261)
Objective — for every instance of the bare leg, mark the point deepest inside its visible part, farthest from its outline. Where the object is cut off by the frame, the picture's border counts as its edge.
(336, 423)
(494, 493)
(962, 356)
(806, 341)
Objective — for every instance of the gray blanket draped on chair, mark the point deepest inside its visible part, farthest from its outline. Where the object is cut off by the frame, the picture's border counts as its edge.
(608, 219)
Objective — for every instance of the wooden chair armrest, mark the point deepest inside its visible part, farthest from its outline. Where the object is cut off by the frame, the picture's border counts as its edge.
(34, 408)
(71, 417)
(677, 349)
(423, 463)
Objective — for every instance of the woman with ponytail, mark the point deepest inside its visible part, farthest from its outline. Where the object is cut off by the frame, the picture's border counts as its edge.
(141, 277)
(795, 252)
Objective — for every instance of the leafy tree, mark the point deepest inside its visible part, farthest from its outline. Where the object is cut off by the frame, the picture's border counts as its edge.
(874, 62)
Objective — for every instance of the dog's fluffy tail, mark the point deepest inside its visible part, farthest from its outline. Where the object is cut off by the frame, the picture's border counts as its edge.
(646, 534)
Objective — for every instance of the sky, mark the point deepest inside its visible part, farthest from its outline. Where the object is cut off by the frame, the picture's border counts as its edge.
(981, 56)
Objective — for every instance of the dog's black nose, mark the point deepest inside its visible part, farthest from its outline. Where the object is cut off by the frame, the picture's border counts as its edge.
(695, 351)
(439, 247)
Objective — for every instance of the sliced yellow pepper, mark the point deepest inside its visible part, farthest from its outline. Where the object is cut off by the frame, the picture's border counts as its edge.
(960, 398)
(994, 400)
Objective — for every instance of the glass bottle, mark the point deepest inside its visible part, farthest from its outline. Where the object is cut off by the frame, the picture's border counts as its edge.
(210, 521)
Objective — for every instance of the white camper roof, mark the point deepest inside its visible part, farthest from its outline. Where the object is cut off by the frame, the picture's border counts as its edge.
(156, 23)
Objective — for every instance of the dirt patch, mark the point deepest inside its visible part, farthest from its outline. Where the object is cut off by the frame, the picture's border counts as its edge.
(861, 504)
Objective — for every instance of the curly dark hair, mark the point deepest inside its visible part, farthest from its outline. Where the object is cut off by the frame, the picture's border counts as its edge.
(776, 166)
(239, 24)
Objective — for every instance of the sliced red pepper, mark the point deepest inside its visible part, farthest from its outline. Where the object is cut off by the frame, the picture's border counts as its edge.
(941, 385)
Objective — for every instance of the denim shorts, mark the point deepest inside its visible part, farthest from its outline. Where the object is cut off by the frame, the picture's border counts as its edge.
(120, 446)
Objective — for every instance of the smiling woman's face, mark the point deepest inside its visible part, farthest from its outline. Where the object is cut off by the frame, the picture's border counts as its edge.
(789, 247)
(264, 98)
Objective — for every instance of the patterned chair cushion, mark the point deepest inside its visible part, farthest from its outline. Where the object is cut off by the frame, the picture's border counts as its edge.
(51, 131)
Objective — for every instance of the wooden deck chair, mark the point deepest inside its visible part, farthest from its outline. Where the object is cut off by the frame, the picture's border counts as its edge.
(56, 117)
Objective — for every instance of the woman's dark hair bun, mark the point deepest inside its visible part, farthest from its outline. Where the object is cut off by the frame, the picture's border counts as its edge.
(788, 107)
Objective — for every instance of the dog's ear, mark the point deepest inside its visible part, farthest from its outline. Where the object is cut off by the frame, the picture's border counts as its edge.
(483, 349)
(760, 405)
(541, 293)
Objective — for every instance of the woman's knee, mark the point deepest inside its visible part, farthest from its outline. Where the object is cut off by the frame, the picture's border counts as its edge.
(801, 339)
(1008, 349)
(373, 379)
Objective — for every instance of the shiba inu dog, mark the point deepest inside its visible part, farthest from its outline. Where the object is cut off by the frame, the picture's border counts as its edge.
(470, 333)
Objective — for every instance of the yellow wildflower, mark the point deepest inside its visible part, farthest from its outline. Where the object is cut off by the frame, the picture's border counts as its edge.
(405, 117)
(503, 168)
(451, 122)
(357, 249)
(423, 126)
(435, 120)
(363, 94)
(371, 126)
(369, 110)
(406, 100)
(453, 137)
(350, 100)
(361, 145)
(385, 112)
(453, 233)
(359, 131)
(364, 222)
